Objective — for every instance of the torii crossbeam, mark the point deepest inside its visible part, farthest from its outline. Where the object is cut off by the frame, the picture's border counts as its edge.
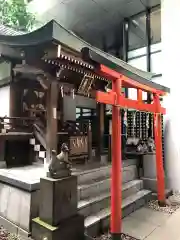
(118, 100)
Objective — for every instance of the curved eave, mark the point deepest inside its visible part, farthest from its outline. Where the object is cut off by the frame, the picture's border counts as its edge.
(41, 35)
(65, 37)
(135, 74)
(52, 31)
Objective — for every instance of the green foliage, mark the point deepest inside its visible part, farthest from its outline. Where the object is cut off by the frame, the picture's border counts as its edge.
(14, 13)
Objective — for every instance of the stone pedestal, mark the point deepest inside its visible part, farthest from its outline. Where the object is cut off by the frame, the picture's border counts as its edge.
(149, 166)
(58, 218)
(149, 172)
(58, 199)
(70, 229)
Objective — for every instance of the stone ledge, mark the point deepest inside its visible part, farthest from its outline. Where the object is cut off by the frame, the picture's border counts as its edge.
(28, 178)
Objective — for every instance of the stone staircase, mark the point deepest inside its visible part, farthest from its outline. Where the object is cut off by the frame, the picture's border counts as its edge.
(94, 195)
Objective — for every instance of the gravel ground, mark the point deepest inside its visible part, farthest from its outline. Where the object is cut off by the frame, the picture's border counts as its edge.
(5, 235)
(108, 237)
(168, 209)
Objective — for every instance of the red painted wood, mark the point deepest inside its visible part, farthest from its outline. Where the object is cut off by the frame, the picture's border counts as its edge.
(159, 157)
(116, 176)
(119, 100)
(127, 82)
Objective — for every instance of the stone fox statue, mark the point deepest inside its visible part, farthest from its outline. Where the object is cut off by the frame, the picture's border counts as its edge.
(59, 166)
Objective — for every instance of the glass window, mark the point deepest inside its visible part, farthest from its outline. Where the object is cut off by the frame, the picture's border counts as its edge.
(5, 72)
(84, 110)
(137, 52)
(140, 62)
(78, 110)
(78, 115)
(155, 19)
(157, 79)
(137, 32)
(86, 114)
(156, 62)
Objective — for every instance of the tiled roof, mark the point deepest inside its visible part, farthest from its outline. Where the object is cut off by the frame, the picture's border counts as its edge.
(4, 30)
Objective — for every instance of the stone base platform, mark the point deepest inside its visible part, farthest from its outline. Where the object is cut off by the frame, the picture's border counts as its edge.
(19, 190)
(19, 193)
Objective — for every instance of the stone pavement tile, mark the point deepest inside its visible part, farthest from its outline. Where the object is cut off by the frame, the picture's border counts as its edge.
(168, 231)
(148, 215)
(137, 228)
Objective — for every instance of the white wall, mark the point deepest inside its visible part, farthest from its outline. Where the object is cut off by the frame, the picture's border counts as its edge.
(5, 71)
(156, 62)
(4, 101)
(170, 11)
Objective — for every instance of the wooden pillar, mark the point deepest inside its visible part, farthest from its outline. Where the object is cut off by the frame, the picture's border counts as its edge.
(12, 102)
(52, 122)
(159, 157)
(15, 98)
(89, 142)
(100, 117)
(116, 175)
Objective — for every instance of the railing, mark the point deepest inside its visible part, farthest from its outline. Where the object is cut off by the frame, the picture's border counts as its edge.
(16, 124)
(40, 134)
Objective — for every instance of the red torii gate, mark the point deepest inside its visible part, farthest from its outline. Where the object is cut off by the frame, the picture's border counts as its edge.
(118, 100)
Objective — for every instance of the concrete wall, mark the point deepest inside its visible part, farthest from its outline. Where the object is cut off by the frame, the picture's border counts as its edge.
(5, 73)
(4, 101)
(170, 11)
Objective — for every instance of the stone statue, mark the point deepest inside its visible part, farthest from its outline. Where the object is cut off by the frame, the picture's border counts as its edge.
(59, 166)
(142, 147)
(151, 145)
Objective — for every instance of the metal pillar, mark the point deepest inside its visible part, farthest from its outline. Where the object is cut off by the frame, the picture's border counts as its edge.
(148, 57)
(148, 46)
(125, 45)
(148, 39)
(116, 178)
(125, 39)
(159, 157)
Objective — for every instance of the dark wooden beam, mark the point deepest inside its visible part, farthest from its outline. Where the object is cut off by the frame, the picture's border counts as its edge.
(100, 119)
(9, 52)
(52, 122)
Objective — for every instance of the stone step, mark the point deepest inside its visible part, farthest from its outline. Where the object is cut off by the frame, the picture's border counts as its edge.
(100, 201)
(99, 222)
(94, 188)
(100, 185)
(97, 174)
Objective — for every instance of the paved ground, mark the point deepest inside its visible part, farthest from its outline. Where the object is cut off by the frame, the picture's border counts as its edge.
(152, 225)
